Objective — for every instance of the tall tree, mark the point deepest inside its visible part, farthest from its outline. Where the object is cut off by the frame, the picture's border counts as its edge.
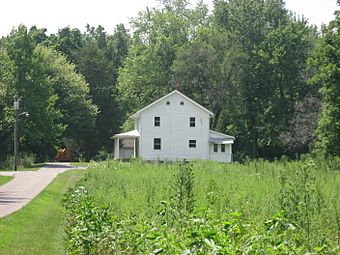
(44, 79)
(99, 60)
(7, 82)
(98, 73)
(281, 61)
(209, 70)
(158, 34)
(209, 65)
(72, 100)
(41, 129)
(67, 40)
(118, 46)
(277, 47)
(326, 62)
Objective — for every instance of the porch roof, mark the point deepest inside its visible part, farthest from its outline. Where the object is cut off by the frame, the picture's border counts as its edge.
(130, 134)
(220, 138)
(217, 140)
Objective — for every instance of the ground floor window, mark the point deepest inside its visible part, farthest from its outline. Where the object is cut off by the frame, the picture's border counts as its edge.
(222, 147)
(192, 143)
(157, 143)
(215, 147)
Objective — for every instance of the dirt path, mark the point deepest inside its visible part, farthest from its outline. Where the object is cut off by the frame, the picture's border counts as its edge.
(26, 185)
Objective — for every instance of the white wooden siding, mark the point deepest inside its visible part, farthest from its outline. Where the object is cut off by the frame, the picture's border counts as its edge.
(174, 130)
(220, 156)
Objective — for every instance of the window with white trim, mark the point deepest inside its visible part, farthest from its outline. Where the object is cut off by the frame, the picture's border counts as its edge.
(192, 122)
(222, 147)
(157, 121)
(192, 143)
(215, 147)
(157, 143)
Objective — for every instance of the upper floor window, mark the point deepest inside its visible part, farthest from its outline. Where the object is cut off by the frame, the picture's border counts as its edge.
(215, 147)
(192, 143)
(181, 103)
(168, 102)
(222, 147)
(157, 143)
(192, 122)
(157, 121)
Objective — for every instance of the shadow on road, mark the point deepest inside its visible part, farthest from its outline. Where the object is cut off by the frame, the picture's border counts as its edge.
(57, 165)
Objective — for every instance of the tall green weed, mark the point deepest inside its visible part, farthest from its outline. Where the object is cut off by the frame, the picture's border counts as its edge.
(204, 208)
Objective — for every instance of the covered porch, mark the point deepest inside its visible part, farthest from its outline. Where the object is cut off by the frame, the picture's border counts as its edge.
(126, 145)
(220, 147)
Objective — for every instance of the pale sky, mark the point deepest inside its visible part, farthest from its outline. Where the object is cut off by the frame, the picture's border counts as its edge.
(77, 13)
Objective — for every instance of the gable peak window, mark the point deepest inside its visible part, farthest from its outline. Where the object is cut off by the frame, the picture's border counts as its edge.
(192, 122)
(157, 121)
(167, 102)
(181, 103)
(192, 143)
(157, 143)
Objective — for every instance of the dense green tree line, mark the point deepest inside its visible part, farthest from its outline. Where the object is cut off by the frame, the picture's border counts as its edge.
(67, 84)
(247, 62)
(270, 78)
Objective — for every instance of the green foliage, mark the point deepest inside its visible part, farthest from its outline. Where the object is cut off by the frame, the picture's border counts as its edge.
(32, 83)
(67, 41)
(77, 108)
(97, 56)
(252, 54)
(276, 47)
(301, 199)
(93, 223)
(98, 73)
(5, 179)
(184, 189)
(37, 228)
(158, 34)
(6, 86)
(53, 94)
(246, 61)
(203, 208)
(325, 62)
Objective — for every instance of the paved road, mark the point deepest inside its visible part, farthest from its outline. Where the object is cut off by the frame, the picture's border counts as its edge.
(26, 185)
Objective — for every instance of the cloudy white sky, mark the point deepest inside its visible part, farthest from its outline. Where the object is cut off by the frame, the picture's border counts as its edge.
(53, 14)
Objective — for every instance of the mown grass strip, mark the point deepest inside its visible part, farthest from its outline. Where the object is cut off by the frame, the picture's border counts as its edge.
(5, 179)
(83, 164)
(37, 228)
(33, 167)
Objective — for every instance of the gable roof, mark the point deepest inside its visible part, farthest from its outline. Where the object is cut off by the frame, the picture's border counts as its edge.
(168, 95)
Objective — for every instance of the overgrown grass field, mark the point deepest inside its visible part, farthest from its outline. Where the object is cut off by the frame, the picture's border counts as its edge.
(281, 207)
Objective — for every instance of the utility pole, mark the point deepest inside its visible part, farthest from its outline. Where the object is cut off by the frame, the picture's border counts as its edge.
(16, 132)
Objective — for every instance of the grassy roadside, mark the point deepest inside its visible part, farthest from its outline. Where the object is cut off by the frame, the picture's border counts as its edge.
(5, 179)
(37, 228)
(33, 167)
(83, 164)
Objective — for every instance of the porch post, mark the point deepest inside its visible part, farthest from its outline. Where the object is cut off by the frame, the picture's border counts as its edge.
(135, 149)
(116, 148)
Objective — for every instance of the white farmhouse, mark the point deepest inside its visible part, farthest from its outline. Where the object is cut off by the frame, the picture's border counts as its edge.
(173, 128)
